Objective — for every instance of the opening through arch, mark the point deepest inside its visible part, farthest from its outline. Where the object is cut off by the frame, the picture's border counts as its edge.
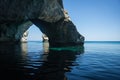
(34, 34)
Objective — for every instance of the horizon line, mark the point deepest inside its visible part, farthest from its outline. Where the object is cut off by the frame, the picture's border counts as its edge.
(84, 41)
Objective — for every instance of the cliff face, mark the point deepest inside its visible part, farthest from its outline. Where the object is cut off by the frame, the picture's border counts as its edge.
(16, 16)
(19, 10)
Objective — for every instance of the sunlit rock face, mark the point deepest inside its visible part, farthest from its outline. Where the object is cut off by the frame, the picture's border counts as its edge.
(16, 16)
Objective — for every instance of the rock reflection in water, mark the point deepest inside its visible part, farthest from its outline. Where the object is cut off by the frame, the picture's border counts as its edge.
(10, 57)
(46, 47)
(52, 64)
(59, 61)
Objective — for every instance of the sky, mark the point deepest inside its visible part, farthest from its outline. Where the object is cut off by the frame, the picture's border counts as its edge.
(96, 20)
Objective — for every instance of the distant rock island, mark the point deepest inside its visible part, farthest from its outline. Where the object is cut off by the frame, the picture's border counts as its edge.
(16, 16)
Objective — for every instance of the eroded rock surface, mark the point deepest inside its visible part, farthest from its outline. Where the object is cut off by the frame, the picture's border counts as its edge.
(16, 16)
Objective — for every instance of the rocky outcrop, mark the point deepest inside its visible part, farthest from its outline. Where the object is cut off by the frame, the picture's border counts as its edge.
(13, 32)
(19, 10)
(16, 16)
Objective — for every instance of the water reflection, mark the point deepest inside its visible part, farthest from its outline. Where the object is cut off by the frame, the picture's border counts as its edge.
(16, 63)
(10, 56)
(24, 48)
(46, 47)
(58, 62)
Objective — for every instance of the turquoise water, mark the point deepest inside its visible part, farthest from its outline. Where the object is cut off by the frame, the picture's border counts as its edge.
(36, 61)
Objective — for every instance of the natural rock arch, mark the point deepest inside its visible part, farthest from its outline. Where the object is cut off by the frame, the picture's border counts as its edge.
(49, 16)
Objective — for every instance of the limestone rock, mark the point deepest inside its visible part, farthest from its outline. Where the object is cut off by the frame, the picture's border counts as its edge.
(16, 16)
(17, 10)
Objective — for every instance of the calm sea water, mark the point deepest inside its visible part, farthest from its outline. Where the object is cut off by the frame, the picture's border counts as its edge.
(36, 61)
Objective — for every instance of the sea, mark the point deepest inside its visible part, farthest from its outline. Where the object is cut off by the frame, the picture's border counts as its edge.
(36, 60)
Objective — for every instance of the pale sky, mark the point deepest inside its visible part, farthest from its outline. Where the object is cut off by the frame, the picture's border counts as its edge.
(97, 20)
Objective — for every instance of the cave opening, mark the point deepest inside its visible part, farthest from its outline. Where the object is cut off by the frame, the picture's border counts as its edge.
(34, 33)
